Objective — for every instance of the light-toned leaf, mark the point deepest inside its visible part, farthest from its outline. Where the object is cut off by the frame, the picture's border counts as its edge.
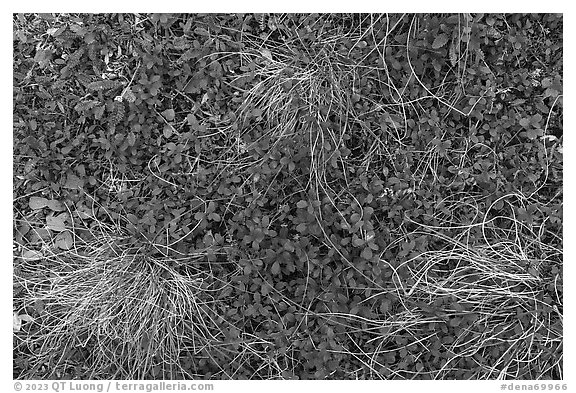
(131, 138)
(204, 98)
(272, 23)
(16, 322)
(275, 268)
(266, 54)
(64, 240)
(550, 138)
(55, 223)
(169, 114)
(32, 255)
(26, 318)
(440, 41)
(55, 205)
(51, 31)
(37, 203)
(167, 131)
(452, 53)
(18, 319)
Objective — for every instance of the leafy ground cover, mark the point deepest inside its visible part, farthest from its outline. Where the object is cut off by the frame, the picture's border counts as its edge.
(287, 196)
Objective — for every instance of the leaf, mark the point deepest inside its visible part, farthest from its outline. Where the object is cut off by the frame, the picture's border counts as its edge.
(208, 239)
(454, 322)
(55, 205)
(368, 211)
(89, 38)
(440, 41)
(301, 227)
(39, 235)
(56, 223)
(266, 54)
(373, 246)
(302, 204)
(129, 96)
(167, 132)
(32, 255)
(102, 85)
(131, 138)
(73, 182)
(42, 55)
(265, 221)
(201, 31)
(37, 203)
(275, 268)
(98, 112)
(452, 53)
(367, 253)
(517, 102)
(550, 138)
(524, 122)
(191, 120)
(288, 246)
(534, 133)
(16, 322)
(169, 114)
(384, 307)
(26, 318)
(78, 30)
(66, 150)
(56, 31)
(64, 241)
(536, 119)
